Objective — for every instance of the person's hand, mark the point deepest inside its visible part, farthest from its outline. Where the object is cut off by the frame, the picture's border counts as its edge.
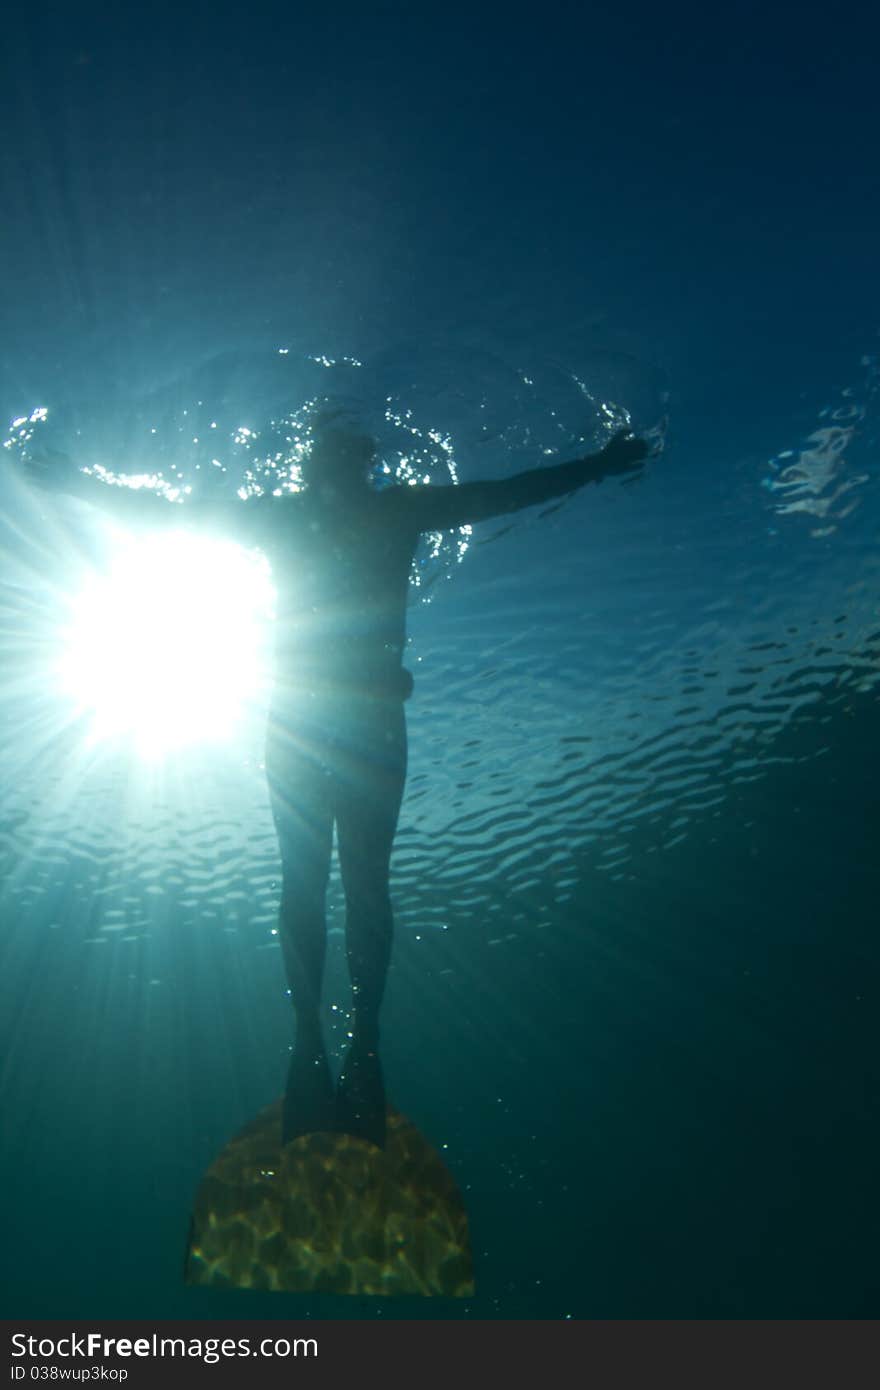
(624, 453)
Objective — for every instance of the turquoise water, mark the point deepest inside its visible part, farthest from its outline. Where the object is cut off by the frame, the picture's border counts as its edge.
(631, 991)
(633, 997)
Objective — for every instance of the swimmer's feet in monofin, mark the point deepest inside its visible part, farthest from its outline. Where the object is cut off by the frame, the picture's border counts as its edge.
(360, 1094)
(309, 1100)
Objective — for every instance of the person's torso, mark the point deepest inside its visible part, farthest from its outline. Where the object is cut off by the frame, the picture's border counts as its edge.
(342, 577)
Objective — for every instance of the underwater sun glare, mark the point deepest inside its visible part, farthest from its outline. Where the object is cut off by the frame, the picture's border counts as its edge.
(168, 645)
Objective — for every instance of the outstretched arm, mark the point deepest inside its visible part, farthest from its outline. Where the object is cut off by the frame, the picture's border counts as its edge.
(135, 499)
(439, 509)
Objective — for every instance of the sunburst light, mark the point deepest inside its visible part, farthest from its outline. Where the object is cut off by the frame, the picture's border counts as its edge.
(167, 644)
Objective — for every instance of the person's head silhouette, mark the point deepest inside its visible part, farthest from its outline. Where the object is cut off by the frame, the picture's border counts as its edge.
(341, 457)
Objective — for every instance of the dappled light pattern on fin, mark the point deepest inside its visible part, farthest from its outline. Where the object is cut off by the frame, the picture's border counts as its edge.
(330, 1213)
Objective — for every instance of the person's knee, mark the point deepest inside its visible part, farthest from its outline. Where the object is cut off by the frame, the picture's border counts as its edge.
(303, 892)
(368, 898)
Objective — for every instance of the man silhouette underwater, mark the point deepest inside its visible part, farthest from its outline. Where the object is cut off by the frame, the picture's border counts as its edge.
(341, 553)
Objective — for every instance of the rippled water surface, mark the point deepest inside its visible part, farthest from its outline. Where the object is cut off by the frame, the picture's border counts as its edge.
(632, 878)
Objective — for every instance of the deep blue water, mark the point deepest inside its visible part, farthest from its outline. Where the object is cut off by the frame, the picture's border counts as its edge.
(634, 988)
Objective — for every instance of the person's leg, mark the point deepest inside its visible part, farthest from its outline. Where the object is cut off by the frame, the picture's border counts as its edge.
(369, 794)
(300, 796)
